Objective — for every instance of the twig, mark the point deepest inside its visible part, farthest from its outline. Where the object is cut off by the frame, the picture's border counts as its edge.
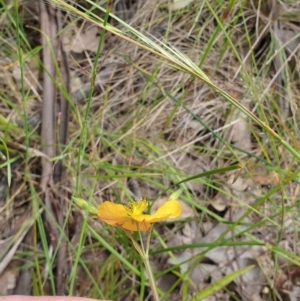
(48, 29)
(59, 171)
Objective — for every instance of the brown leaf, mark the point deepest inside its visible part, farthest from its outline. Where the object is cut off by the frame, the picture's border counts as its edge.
(240, 134)
(79, 41)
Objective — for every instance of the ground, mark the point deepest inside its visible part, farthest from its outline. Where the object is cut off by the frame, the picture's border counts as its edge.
(200, 96)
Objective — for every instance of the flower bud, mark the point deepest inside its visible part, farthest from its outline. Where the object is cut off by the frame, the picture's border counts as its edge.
(82, 204)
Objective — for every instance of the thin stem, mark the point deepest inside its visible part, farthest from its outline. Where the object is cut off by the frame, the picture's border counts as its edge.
(136, 245)
(144, 252)
(148, 267)
(148, 240)
(150, 276)
(142, 243)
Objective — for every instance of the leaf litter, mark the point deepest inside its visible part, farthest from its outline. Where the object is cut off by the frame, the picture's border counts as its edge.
(142, 94)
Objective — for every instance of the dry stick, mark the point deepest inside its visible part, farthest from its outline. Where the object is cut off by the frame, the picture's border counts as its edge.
(59, 171)
(64, 105)
(23, 286)
(48, 29)
(48, 134)
(283, 103)
(78, 96)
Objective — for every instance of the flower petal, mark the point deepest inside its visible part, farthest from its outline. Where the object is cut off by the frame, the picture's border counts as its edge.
(112, 214)
(133, 225)
(141, 217)
(169, 209)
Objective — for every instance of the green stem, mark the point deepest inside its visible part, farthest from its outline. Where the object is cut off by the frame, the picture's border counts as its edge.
(147, 265)
(150, 276)
(144, 252)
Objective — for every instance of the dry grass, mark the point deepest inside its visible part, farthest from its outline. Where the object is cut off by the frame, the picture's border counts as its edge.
(148, 127)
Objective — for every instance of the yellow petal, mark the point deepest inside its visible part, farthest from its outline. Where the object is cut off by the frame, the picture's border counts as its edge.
(141, 217)
(169, 209)
(133, 225)
(112, 214)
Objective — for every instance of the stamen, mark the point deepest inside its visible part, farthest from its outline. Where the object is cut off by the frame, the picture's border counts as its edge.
(137, 207)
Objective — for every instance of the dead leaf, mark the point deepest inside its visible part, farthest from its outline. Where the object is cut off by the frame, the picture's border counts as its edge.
(266, 179)
(81, 40)
(289, 39)
(9, 246)
(294, 292)
(180, 4)
(250, 283)
(8, 281)
(240, 134)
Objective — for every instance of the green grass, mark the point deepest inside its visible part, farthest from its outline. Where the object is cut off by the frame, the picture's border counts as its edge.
(162, 104)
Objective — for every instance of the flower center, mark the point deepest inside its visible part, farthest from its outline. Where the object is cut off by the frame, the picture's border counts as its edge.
(136, 207)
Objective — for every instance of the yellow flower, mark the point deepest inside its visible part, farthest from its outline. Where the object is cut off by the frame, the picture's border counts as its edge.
(131, 217)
